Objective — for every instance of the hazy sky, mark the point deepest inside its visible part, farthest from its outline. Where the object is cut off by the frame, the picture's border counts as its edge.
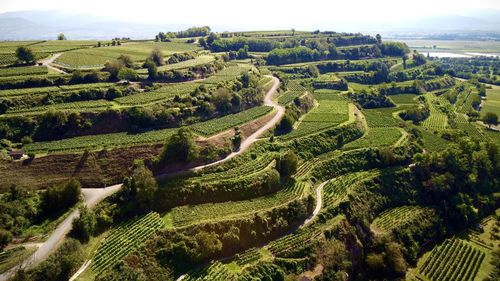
(254, 13)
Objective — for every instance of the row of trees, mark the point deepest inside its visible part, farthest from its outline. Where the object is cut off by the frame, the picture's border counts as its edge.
(190, 32)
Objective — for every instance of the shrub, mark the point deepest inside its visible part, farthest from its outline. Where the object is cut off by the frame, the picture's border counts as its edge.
(127, 74)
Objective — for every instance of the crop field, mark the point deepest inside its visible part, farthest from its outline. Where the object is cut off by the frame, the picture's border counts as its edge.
(202, 209)
(163, 93)
(492, 102)
(437, 119)
(74, 106)
(453, 46)
(465, 100)
(294, 242)
(27, 70)
(381, 117)
(52, 89)
(97, 57)
(404, 99)
(455, 259)
(211, 127)
(246, 168)
(336, 190)
(215, 271)
(200, 60)
(294, 90)
(41, 49)
(128, 139)
(124, 239)
(328, 114)
(468, 127)
(287, 97)
(100, 141)
(186, 215)
(229, 73)
(433, 141)
(376, 137)
(398, 217)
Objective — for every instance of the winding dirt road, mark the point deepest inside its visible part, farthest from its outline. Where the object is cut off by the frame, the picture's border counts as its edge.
(48, 63)
(319, 202)
(268, 100)
(95, 195)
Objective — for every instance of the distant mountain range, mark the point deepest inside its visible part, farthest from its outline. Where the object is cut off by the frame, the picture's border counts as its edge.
(43, 25)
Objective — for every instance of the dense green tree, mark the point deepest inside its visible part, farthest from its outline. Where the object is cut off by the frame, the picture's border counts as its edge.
(490, 118)
(288, 164)
(313, 71)
(113, 67)
(157, 56)
(145, 186)
(126, 61)
(128, 74)
(181, 147)
(57, 199)
(5, 238)
(84, 225)
(236, 139)
(25, 55)
(61, 265)
(152, 69)
(61, 36)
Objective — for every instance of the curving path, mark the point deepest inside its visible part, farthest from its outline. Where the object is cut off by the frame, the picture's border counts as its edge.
(268, 100)
(319, 202)
(48, 63)
(95, 195)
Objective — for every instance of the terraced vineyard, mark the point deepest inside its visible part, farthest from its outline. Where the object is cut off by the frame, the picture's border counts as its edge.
(128, 139)
(492, 102)
(404, 99)
(256, 213)
(337, 189)
(455, 259)
(433, 141)
(294, 90)
(376, 137)
(41, 49)
(100, 141)
(215, 271)
(97, 57)
(328, 114)
(124, 239)
(437, 119)
(381, 117)
(186, 215)
(200, 60)
(160, 94)
(294, 242)
(52, 89)
(229, 73)
(77, 106)
(27, 70)
(211, 127)
(401, 216)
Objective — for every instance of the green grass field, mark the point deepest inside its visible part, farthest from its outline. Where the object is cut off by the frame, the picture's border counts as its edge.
(492, 102)
(97, 57)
